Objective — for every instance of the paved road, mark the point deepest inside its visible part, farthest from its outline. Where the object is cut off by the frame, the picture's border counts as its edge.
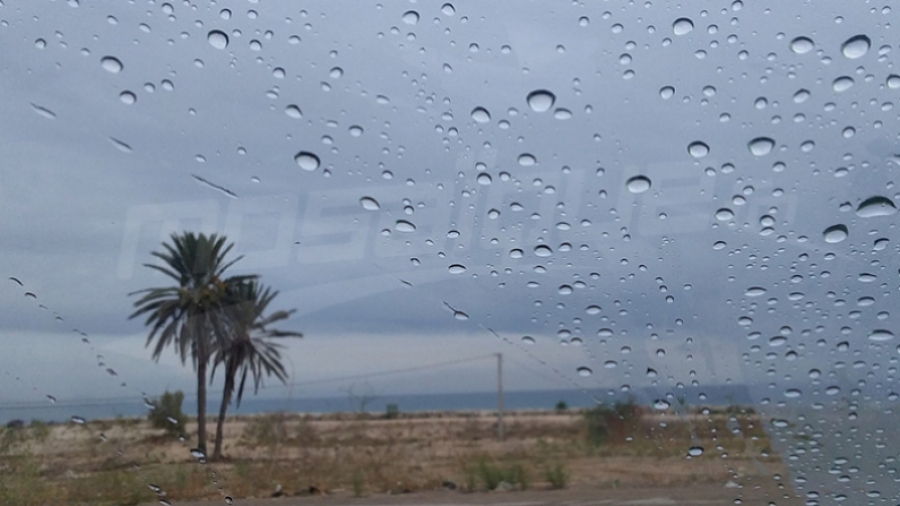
(699, 495)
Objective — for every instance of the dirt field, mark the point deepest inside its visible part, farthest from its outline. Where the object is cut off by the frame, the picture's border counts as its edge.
(546, 458)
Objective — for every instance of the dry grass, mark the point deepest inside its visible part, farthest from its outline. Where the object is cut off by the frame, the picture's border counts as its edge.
(116, 462)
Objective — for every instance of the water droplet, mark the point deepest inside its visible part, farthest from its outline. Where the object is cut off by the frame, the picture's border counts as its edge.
(562, 114)
(835, 233)
(695, 451)
(584, 371)
(484, 179)
(127, 97)
(293, 111)
(411, 17)
(761, 146)
(111, 64)
(217, 39)
(698, 149)
(43, 111)
(755, 291)
(541, 100)
(528, 340)
(457, 269)
(197, 454)
(724, 214)
(856, 47)
(77, 420)
(481, 115)
(404, 226)
(876, 206)
(307, 161)
(661, 405)
(682, 26)
(780, 423)
(336, 73)
(777, 341)
(459, 315)
(516, 253)
(802, 45)
(51, 399)
(527, 160)
(369, 204)
(448, 9)
(121, 146)
(593, 310)
(792, 393)
(228, 500)
(638, 184)
(842, 84)
(881, 335)
(893, 81)
(543, 251)
(666, 92)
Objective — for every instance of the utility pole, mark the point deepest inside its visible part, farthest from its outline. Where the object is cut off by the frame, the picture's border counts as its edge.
(501, 430)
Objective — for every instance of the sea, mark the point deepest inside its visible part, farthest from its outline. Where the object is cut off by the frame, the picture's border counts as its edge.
(93, 409)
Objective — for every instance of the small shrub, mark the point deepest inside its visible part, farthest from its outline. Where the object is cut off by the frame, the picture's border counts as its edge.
(358, 483)
(40, 431)
(490, 475)
(561, 406)
(616, 422)
(556, 475)
(392, 411)
(166, 413)
(266, 430)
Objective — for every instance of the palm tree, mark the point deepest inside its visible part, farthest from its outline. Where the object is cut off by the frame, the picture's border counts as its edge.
(250, 351)
(190, 314)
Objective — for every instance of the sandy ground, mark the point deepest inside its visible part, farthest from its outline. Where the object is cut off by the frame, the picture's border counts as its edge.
(408, 459)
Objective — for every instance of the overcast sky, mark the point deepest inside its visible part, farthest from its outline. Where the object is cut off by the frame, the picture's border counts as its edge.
(522, 215)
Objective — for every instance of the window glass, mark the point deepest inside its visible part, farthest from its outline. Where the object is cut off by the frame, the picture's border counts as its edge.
(683, 213)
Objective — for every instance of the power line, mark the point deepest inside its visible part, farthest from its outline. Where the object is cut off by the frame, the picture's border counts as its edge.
(119, 400)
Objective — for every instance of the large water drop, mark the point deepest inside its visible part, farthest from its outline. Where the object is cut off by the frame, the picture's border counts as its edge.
(307, 161)
(638, 184)
(481, 115)
(541, 100)
(761, 146)
(527, 160)
(369, 204)
(217, 39)
(876, 206)
(856, 47)
(404, 226)
(881, 335)
(802, 45)
(835, 234)
(411, 17)
(111, 64)
(682, 26)
(698, 149)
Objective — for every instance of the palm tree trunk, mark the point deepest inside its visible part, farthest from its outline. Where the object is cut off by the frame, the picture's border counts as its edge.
(201, 400)
(226, 399)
